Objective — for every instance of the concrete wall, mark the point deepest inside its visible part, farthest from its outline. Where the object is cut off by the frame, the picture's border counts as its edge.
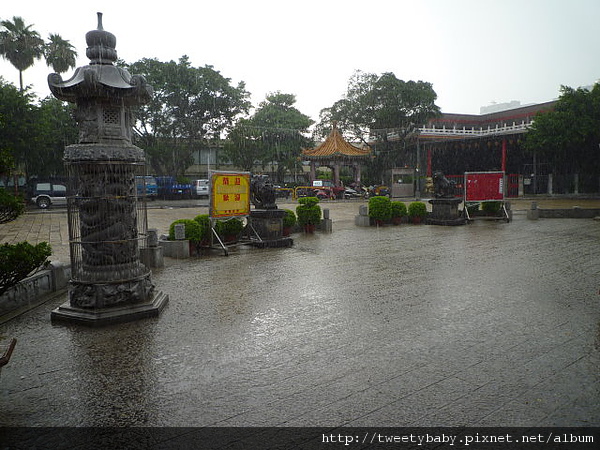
(31, 289)
(572, 213)
(175, 249)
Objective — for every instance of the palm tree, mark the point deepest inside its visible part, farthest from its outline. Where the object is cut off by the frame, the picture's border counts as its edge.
(20, 45)
(59, 54)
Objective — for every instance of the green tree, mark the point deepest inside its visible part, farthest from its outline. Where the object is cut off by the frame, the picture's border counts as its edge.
(276, 133)
(59, 54)
(568, 137)
(191, 106)
(11, 206)
(17, 123)
(55, 129)
(380, 103)
(7, 162)
(244, 146)
(34, 136)
(383, 111)
(20, 45)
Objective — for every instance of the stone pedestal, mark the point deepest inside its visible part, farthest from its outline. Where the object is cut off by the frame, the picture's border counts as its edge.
(533, 213)
(326, 222)
(152, 255)
(97, 317)
(445, 212)
(363, 219)
(268, 225)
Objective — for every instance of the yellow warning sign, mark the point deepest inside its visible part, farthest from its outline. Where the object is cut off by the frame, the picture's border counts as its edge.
(230, 194)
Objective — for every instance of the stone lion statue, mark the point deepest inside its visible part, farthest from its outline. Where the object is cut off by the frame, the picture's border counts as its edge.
(262, 192)
(442, 187)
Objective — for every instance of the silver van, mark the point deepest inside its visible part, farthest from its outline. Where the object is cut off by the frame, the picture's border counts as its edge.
(201, 188)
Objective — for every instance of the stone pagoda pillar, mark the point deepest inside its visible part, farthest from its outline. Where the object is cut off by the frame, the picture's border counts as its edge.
(107, 222)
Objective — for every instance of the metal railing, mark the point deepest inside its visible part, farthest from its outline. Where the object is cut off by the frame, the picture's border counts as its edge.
(476, 132)
(498, 130)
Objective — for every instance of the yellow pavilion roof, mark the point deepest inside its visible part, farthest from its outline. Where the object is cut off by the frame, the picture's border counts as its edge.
(335, 146)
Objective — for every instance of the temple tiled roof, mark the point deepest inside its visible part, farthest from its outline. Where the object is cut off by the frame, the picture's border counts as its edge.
(335, 146)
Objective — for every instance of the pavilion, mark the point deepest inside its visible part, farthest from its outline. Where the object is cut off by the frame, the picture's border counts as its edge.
(334, 153)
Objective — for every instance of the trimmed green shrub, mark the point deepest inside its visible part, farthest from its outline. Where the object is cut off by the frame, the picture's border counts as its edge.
(308, 201)
(230, 227)
(399, 209)
(491, 207)
(289, 218)
(417, 209)
(380, 208)
(18, 261)
(308, 211)
(11, 207)
(204, 222)
(473, 208)
(193, 231)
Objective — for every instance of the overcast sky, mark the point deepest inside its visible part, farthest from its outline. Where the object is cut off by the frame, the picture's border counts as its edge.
(474, 52)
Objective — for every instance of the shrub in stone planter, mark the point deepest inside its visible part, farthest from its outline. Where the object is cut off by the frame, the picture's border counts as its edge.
(229, 230)
(491, 208)
(380, 209)
(472, 208)
(398, 212)
(417, 211)
(19, 260)
(193, 232)
(204, 222)
(289, 220)
(309, 213)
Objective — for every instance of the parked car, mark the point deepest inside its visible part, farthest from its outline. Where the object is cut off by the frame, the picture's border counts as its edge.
(46, 194)
(168, 188)
(201, 188)
(324, 193)
(337, 191)
(181, 191)
(151, 187)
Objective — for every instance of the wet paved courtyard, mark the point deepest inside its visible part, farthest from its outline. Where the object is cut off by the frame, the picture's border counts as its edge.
(490, 324)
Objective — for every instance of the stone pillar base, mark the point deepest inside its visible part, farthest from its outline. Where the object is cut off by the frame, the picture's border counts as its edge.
(268, 225)
(327, 225)
(445, 212)
(96, 317)
(363, 219)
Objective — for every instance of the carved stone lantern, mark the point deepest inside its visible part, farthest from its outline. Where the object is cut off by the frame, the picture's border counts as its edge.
(107, 221)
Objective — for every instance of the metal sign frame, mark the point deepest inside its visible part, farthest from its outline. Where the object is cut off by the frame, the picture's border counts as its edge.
(485, 187)
(229, 198)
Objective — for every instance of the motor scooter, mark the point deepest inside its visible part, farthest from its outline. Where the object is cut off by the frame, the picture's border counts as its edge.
(351, 193)
(380, 190)
(323, 194)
